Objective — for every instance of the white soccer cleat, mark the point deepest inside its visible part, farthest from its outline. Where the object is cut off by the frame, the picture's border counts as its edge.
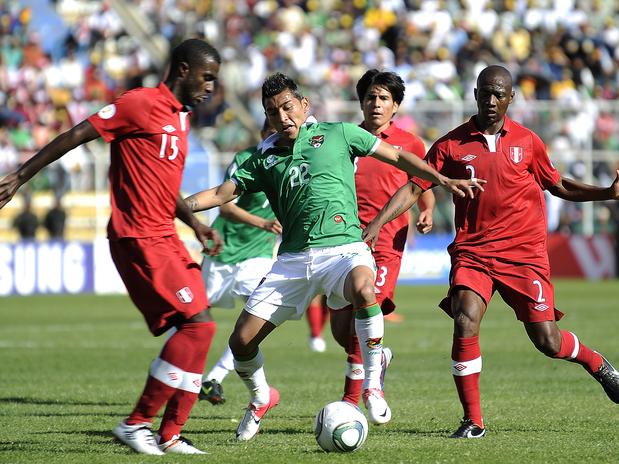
(179, 445)
(317, 344)
(378, 410)
(249, 426)
(138, 437)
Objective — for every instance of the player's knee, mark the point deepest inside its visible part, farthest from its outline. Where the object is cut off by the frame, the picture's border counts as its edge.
(240, 345)
(365, 294)
(466, 324)
(547, 344)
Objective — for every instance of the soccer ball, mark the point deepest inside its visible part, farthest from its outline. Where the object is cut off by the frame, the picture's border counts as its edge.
(340, 426)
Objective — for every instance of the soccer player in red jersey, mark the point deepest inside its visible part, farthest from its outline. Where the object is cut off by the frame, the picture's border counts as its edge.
(501, 239)
(147, 129)
(380, 94)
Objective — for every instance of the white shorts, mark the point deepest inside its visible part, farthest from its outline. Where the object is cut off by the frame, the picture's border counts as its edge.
(224, 282)
(297, 277)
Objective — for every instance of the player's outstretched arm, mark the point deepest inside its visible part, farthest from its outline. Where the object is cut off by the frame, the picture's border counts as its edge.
(65, 142)
(216, 196)
(400, 202)
(237, 214)
(414, 166)
(572, 190)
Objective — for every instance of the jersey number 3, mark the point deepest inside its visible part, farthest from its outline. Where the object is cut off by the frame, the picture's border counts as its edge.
(173, 146)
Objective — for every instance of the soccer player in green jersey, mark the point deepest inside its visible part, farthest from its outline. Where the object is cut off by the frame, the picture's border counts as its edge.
(249, 229)
(306, 170)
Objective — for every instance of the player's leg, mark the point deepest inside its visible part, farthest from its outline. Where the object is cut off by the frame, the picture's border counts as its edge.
(531, 294)
(185, 353)
(369, 327)
(317, 315)
(468, 309)
(263, 312)
(244, 342)
(343, 330)
(219, 280)
(165, 285)
(562, 344)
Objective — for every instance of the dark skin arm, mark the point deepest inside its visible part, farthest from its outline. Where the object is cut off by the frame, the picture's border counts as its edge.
(203, 232)
(82, 133)
(572, 190)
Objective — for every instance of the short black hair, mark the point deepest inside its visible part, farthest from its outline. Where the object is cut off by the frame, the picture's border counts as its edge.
(389, 80)
(192, 51)
(276, 84)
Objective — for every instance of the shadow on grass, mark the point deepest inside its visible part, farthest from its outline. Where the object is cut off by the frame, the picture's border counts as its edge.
(40, 401)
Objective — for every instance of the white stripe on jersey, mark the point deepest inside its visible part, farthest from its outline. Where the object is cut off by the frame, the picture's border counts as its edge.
(462, 368)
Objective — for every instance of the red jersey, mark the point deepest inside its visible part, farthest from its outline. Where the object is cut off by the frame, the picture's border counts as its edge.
(508, 219)
(376, 183)
(148, 130)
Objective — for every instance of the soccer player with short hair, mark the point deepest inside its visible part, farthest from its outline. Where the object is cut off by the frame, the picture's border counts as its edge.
(147, 129)
(306, 170)
(501, 239)
(380, 94)
(249, 229)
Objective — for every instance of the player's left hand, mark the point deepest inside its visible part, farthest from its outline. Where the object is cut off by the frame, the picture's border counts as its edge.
(614, 188)
(8, 186)
(464, 187)
(424, 221)
(205, 233)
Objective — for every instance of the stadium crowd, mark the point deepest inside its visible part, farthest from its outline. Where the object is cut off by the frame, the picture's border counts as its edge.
(564, 51)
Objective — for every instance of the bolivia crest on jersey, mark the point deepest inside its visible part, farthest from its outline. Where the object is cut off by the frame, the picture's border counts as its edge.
(516, 154)
(317, 140)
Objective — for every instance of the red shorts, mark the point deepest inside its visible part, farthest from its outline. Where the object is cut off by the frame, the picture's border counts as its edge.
(524, 286)
(161, 278)
(387, 271)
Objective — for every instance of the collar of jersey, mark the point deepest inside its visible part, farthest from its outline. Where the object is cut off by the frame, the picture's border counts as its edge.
(507, 126)
(169, 96)
(272, 139)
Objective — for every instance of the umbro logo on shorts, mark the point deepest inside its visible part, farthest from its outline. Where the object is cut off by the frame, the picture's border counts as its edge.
(185, 295)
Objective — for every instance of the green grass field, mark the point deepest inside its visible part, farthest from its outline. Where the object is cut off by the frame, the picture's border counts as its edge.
(72, 367)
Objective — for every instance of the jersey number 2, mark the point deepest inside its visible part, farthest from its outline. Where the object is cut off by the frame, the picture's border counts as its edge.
(299, 175)
(164, 146)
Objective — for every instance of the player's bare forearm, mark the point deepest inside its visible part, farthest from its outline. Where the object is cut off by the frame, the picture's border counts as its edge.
(65, 142)
(234, 213)
(427, 201)
(185, 214)
(573, 190)
(211, 198)
(399, 203)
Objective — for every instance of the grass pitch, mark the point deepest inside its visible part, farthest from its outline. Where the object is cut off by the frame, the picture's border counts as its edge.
(72, 367)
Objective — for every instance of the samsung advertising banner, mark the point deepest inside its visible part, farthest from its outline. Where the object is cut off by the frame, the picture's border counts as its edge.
(29, 268)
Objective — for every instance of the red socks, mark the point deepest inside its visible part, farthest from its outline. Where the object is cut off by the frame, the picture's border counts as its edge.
(175, 378)
(574, 351)
(317, 317)
(466, 368)
(354, 372)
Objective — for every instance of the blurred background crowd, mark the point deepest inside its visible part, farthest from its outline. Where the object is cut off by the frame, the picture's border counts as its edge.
(62, 60)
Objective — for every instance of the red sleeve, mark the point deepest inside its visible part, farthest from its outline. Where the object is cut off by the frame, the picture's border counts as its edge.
(128, 114)
(545, 174)
(435, 158)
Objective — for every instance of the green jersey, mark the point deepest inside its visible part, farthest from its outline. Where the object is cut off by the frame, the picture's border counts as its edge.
(311, 185)
(241, 241)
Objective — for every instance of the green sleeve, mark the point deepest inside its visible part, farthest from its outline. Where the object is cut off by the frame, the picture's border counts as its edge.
(360, 141)
(247, 175)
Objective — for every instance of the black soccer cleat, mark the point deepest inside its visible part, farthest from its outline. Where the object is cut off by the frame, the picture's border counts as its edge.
(213, 392)
(468, 429)
(608, 377)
